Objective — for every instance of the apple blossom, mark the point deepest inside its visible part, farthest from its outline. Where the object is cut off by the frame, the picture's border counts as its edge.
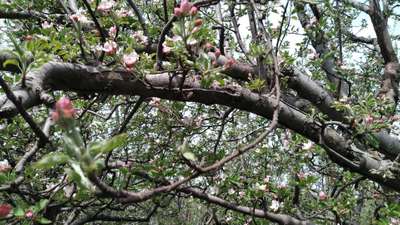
(155, 102)
(130, 59)
(178, 12)
(185, 8)
(166, 49)
(140, 38)
(275, 205)
(105, 6)
(110, 47)
(47, 25)
(79, 17)
(64, 109)
(308, 145)
(113, 31)
(193, 11)
(322, 196)
(369, 119)
(4, 166)
(29, 214)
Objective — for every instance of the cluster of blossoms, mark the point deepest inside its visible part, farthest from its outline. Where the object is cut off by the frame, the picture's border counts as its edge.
(63, 110)
(185, 8)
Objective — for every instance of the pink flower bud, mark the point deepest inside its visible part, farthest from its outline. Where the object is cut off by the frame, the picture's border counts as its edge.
(178, 12)
(105, 6)
(4, 166)
(369, 119)
(322, 196)
(193, 11)
(64, 109)
(113, 31)
(29, 214)
(198, 22)
(185, 6)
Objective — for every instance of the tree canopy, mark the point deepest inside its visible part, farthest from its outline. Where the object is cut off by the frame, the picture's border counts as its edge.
(199, 112)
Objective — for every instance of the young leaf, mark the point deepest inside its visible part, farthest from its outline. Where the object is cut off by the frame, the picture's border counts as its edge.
(51, 160)
(43, 220)
(108, 145)
(189, 156)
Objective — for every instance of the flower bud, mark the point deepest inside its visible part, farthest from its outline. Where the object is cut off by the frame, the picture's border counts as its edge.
(193, 11)
(198, 22)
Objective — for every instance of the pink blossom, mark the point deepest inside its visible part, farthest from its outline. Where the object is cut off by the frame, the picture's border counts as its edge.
(113, 31)
(4, 166)
(369, 119)
(275, 205)
(155, 102)
(184, 9)
(266, 179)
(29, 214)
(242, 193)
(322, 196)
(64, 109)
(186, 6)
(122, 13)
(193, 11)
(166, 49)
(282, 186)
(105, 6)
(47, 25)
(5, 209)
(110, 47)
(178, 12)
(130, 59)
(79, 17)
(302, 175)
(139, 37)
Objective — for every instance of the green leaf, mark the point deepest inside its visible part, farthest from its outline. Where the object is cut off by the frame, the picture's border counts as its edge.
(108, 145)
(43, 220)
(189, 156)
(19, 212)
(80, 176)
(52, 159)
(43, 203)
(10, 62)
